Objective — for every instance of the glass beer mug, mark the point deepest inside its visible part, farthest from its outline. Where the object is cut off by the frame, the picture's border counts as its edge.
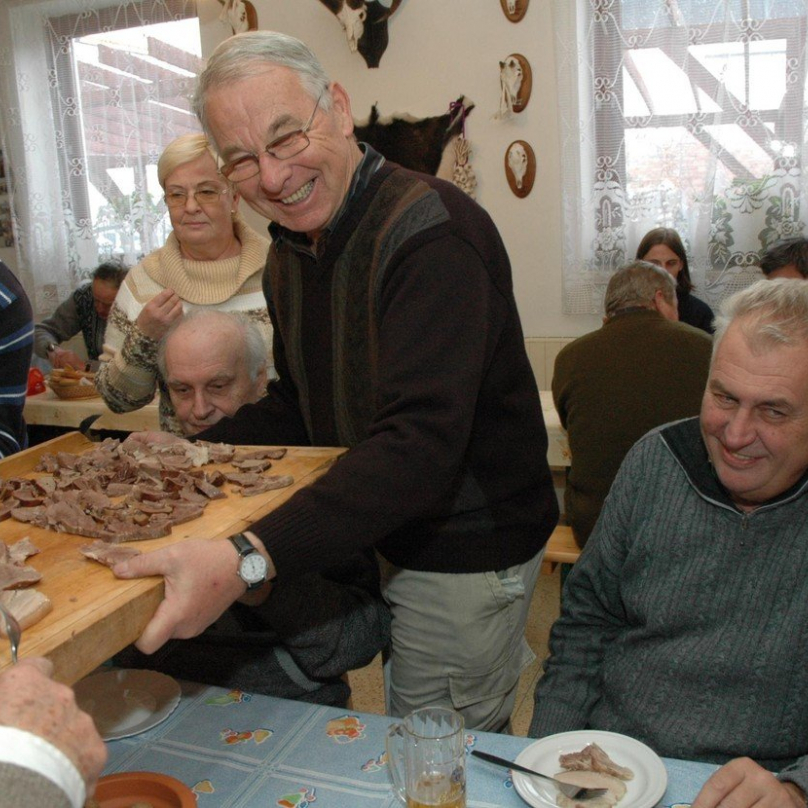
(427, 759)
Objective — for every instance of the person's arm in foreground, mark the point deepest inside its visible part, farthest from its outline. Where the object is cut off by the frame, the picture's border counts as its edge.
(592, 613)
(742, 783)
(47, 745)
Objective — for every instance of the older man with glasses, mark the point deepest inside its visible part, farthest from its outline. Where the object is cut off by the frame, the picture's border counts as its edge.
(397, 335)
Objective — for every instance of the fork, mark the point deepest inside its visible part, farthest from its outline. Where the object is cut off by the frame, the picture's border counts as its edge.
(569, 790)
(13, 631)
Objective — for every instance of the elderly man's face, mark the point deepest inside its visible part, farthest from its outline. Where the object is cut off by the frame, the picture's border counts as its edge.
(754, 418)
(207, 376)
(304, 192)
(104, 294)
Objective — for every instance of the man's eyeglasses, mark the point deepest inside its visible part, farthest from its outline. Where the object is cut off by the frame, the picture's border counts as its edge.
(204, 197)
(282, 148)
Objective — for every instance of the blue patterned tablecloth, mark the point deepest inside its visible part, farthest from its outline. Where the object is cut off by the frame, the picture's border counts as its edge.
(246, 751)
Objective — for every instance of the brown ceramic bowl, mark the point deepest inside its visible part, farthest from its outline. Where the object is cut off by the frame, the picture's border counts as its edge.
(158, 790)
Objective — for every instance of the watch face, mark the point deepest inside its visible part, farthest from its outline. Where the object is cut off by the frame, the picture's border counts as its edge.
(253, 568)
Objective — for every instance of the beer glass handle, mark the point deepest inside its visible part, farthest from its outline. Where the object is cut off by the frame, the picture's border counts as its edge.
(394, 743)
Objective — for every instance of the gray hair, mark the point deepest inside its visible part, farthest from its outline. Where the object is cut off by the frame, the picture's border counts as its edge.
(635, 285)
(769, 313)
(255, 349)
(181, 150)
(246, 55)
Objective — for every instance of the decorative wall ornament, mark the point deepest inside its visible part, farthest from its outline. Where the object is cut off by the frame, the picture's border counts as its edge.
(520, 167)
(514, 9)
(516, 84)
(240, 15)
(365, 25)
(425, 144)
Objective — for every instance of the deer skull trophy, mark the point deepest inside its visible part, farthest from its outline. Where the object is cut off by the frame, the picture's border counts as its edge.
(365, 25)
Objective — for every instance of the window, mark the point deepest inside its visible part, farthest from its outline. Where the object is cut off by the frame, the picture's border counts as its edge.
(690, 114)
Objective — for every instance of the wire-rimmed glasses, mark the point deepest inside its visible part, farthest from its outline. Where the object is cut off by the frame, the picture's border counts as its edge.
(205, 197)
(289, 145)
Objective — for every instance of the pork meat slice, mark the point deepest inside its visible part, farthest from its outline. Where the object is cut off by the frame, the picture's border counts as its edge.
(108, 554)
(592, 758)
(22, 549)
(615, 789)
(29, 606)
(16, 576)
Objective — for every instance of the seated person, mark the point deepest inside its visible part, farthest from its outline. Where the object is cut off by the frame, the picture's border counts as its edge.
(86, 310)
(50, 751)
(786, 259)
(311, 629)
(212, 363)
(683, 623)
(663, 246)
(16, 343)
(610, 387)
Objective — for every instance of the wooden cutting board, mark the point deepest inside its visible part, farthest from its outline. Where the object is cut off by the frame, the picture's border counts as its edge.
(95, 614)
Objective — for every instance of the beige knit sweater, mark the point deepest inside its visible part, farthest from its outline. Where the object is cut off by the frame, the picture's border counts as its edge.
(128, 377)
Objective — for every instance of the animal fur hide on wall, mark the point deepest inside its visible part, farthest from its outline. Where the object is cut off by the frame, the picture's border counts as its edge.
(413, 143)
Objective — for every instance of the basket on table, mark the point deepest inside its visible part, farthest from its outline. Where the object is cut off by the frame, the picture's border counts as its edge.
(70, 383)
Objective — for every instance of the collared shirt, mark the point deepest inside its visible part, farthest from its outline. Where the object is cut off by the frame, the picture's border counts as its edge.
(370, 163)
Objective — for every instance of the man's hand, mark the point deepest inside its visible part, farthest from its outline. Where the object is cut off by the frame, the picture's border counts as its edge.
(158, 314)
(31, 701)
(742, 783)
(200, 583)
(61, 358)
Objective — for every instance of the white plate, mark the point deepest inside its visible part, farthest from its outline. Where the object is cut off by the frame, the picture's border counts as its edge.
(126, 702)
(644, 791)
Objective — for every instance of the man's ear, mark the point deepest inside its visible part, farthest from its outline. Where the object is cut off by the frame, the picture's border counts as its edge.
(342, 107)
(260, 385)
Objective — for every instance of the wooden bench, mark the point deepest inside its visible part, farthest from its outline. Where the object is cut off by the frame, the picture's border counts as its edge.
(561, 549)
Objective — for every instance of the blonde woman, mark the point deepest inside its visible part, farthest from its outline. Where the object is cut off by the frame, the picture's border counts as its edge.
(212, 259)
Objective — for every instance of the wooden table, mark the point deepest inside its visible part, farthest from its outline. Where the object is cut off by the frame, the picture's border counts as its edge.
(94, 614)
(47, 409)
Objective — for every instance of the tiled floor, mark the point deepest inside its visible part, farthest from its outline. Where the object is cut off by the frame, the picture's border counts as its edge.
(367, 686)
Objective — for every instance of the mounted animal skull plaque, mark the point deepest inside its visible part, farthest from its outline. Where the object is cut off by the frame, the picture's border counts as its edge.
(514, 10)
(240, 15)
(516, 84)
(520, 168)
(365, 25)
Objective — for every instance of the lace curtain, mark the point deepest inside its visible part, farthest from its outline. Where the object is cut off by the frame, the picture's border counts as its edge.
(680, 113)
(83, 123)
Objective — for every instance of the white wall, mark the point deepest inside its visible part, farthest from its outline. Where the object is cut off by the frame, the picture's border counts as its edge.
(439, 50)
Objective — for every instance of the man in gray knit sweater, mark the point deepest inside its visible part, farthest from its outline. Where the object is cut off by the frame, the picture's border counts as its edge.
(684, 622)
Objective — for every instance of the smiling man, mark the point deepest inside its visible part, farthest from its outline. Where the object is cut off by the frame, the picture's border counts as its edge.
(685, 621)
(396, 335)
(212, 363)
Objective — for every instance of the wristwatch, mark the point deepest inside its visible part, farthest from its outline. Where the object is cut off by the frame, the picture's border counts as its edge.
(252, 566)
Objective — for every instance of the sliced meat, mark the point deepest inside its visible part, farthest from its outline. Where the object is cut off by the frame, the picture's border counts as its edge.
(15, 576)
(261, 454)
(593, 758)
(22, 549)
(35, 516)
(108, 554)
(257, 464)
(616, 789)
(209, 489)
(269, 483)
(29, 606)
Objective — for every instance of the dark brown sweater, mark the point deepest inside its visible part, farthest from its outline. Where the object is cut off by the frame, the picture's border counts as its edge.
(447, 468)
